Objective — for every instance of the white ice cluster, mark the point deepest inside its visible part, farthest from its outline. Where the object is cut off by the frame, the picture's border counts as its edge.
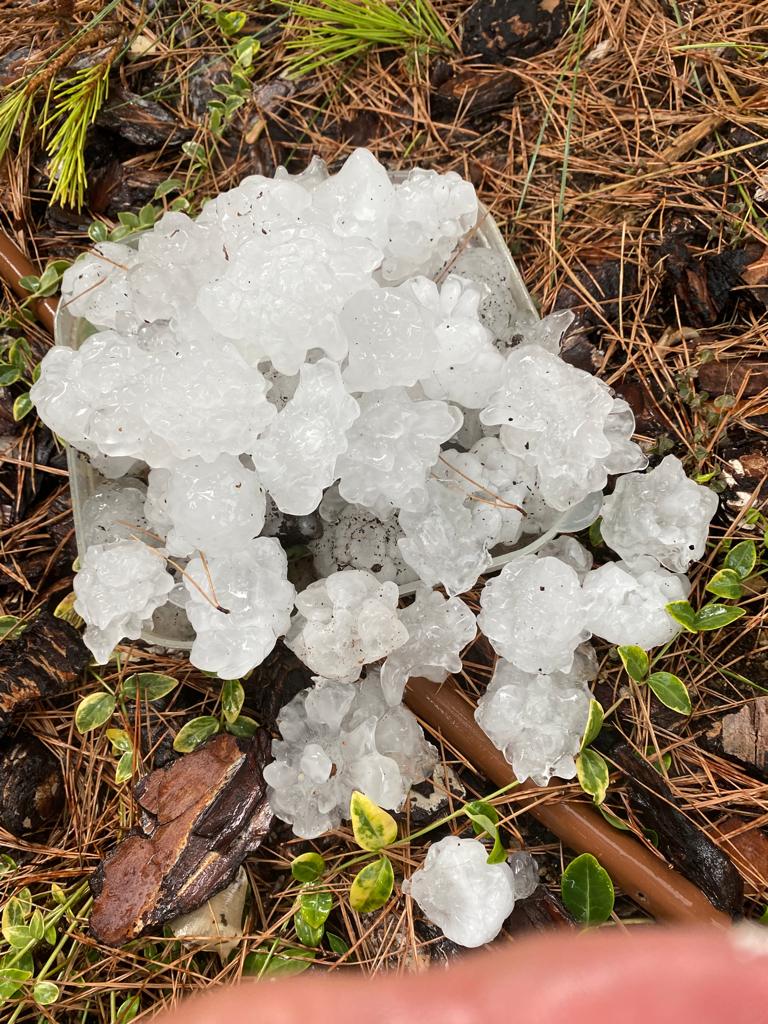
(337, 738)
(660, 513)
(537, 720)
(465, 896)
(346, 348)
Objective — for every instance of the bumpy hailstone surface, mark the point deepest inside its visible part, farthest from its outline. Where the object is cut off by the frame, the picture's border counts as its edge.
(660, 513)
(536, 720)
(626, 602)
(391, 449)
(533, 613)
(344, 622)
(198, 506)
(238, 604)
(444, 542)
(564, 422)
(438, 630)
(355, 538)
(457, 890)
(118, 588)
(296, 456)
(337, 738)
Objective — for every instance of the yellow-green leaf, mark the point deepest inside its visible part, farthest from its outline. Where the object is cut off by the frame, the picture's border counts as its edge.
(316, 905)
(307, 934)
(191, 735)
(741, 558)
(120, 740)
(94, 710)
(635, 661)
(593, 774)
(715, 616)
(45, 992)
(372, 886)
(307, 867)
(485, 819)
(726, 584)
(594, 723)
(232, 699)
(683, 614)
(671, 691)
(373, 828)
(65, 610)
(124, 769)
(148, 686)
(269, 963)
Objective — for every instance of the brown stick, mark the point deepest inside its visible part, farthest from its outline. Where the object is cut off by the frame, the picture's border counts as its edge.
(13, 266)
(643, 876)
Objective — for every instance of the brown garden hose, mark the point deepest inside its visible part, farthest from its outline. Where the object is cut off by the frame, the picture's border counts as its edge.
(642, 875)
(13, 266)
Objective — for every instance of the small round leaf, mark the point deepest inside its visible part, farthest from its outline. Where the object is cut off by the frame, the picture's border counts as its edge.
(124, 769)
(307, 867)
(93, 711)
(635, 661)
(593, 774)
(305, 932)
(671, 691)
(316, 905)
(191, 735)
(269, 963)
(372, 886)
(243, 727)
(683, 614)
(741, 558)
(587, 890)
(373, 828)
(148, 686)
(232, 699)
(726, 584)
(45, 992)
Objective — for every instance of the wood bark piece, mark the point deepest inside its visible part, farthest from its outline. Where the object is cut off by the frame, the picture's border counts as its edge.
(681, 841)
(744, 734)
(43, 661)
(500, 30)
(200, 817)
(31, 785)
(644, 877)
(747, 846)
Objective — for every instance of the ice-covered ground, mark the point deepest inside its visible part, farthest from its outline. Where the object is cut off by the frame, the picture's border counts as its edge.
(336, 347)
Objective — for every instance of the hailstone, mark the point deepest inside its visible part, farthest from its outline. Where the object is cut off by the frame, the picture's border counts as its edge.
(533, 613)
(338, 738)
(438, 630)
(460, 892)
(537, 720)
(117, 589)
(661, 513)
(344, 622)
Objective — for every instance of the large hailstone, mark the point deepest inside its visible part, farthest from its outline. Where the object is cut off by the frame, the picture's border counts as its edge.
(356, 201)
(308, 274)
(392, 447)
(296, 456)
(460, 892)
(355, 538)
(438, 631)
(216, 508)
(626, 602)
(497, 486)
(563, 421)
(398, 336)
(533, 613)
(96, 286)
(152, 396)
(661, 513)
(337, 738)
(257, 206)
(238, 605)
(537, 721)
(117, 590)
(445, 543)
(344, 622)
(430, 212)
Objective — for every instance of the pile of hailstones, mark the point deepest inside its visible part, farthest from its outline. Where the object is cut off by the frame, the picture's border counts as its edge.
(337, 342)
